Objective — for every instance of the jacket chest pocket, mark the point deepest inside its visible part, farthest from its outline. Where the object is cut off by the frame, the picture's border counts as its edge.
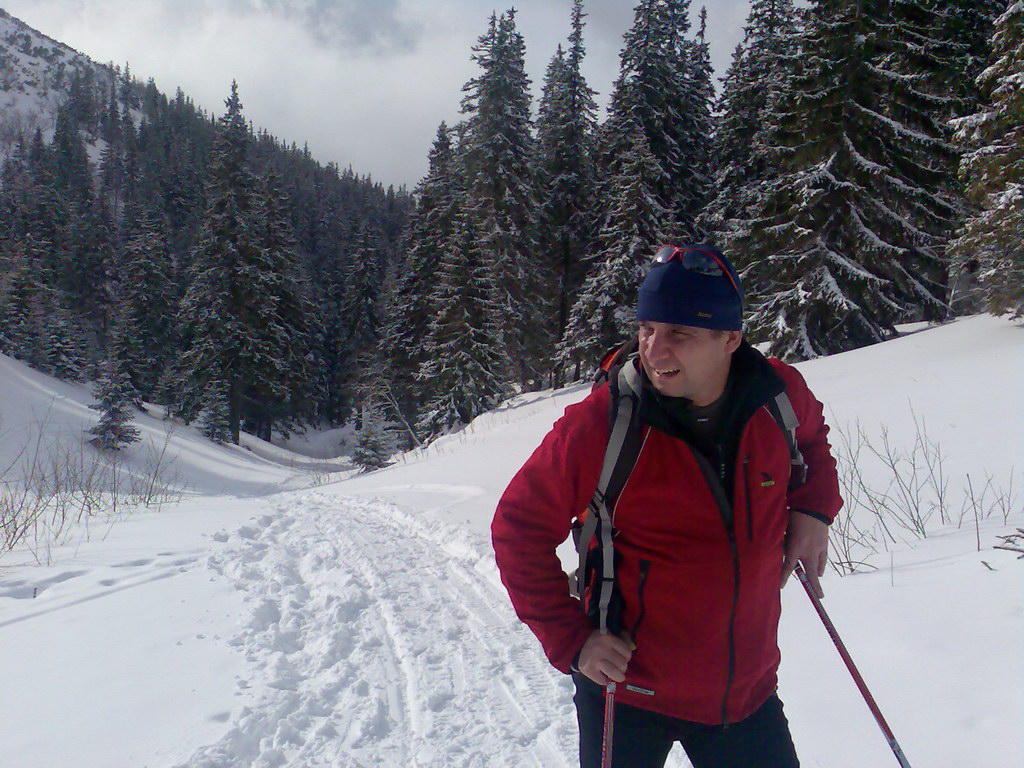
(764, 499)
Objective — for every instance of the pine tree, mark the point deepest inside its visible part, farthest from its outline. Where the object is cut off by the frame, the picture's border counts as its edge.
(375, 443)
(22, 304)
(64, 348)
(496, 150)
(129, 160)
(112, 161)
(110, 129)
(215, 419)
(22, 194)
(993, 169)
(70, 161)
(82, 105)
(969, 23)
(657, 89)
(46, 213)
(408, 310)
(284, 318)
(332, 381)
(698, 102)
(35, 325)
(115, 402)
(144, 300)
(88, 259)
(465, 369)
(754, 83)
(564, 173)
(604, 313)
(81, 251)
(245, 312)
(217, 343)
(124, 349)
(849, 237)
(358, 311)
(374, 385)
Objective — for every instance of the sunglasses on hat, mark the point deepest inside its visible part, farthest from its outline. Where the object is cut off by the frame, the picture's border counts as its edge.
(698, 260)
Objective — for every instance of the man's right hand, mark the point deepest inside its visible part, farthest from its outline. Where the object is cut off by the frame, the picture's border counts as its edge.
(603, 658)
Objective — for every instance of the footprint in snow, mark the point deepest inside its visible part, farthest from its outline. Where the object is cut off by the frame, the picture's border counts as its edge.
(23, 590)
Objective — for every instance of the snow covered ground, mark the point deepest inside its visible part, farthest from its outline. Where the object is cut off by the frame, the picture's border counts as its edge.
(280, 614)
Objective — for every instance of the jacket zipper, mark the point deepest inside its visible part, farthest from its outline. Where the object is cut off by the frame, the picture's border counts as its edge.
(645, 566)
(732, 627)
(730, 527)
(717, 484)
(715, 478)
(746, 497)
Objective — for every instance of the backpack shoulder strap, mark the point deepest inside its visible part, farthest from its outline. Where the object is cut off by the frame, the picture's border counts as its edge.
(619, 458)
(782, 411)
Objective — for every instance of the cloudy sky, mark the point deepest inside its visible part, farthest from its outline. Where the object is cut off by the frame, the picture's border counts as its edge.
(364, 82)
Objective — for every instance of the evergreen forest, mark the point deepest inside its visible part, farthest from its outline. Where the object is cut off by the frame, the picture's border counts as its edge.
(195, 263)
(860, 160)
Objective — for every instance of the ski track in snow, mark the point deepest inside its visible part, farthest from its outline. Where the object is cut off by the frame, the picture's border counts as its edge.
(379, 638)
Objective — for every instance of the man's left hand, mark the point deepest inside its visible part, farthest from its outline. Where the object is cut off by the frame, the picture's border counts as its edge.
(806, 542)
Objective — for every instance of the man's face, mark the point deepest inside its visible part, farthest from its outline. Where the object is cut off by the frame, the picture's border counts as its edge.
(682, 361)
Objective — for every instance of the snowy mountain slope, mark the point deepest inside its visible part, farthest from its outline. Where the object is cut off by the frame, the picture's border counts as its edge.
(361, 623)
(193, 464)
(35, 74)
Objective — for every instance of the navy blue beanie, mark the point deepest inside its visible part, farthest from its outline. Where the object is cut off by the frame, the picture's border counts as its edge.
(671, 293)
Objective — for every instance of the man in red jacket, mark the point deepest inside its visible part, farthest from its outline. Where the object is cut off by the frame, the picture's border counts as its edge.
(706, 531)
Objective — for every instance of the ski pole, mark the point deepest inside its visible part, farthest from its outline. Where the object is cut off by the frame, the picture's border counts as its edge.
(609, 723)
(831, 629)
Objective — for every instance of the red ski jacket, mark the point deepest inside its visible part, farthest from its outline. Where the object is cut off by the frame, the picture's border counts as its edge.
(706, 650)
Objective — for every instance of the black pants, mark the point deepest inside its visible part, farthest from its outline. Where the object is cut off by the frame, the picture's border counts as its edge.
(642, 739)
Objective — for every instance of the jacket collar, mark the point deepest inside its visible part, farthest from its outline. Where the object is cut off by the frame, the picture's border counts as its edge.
(752, 383)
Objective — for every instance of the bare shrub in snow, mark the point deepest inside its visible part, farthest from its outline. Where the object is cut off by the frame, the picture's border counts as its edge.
(1013, 542)
(52, 490)
(156, 485)
(850, 544)
(902, 490)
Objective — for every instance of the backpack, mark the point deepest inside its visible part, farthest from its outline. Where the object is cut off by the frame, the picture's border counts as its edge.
(596, 570)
